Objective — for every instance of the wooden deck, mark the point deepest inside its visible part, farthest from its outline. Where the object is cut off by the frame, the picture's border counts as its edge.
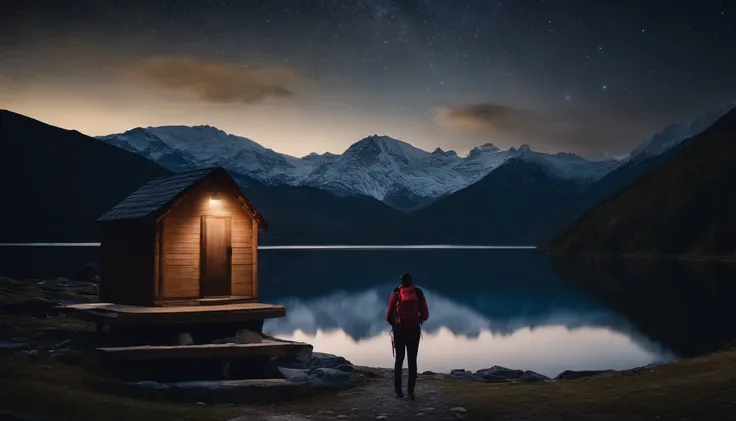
(273, 348)
(118, 314)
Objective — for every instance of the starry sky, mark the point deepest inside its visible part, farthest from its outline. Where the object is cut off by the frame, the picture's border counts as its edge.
(594, 77)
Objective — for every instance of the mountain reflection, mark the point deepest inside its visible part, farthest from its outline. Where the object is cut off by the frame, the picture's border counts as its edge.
(688, 306)
(469, 291)
(540, 334)
(521, 308)
(517, 308)
(361, 315)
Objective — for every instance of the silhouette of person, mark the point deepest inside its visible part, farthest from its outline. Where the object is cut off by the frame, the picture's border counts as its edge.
(407, 310)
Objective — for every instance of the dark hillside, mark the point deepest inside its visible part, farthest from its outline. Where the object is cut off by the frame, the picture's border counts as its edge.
(56, 182)
(686, 205)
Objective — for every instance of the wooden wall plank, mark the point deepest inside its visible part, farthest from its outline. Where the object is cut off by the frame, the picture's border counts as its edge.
(242, 279)
(181, 247)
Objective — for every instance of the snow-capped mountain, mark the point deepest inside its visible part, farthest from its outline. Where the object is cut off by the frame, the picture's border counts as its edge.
(677, 133)
(182, 148)
(387, 169)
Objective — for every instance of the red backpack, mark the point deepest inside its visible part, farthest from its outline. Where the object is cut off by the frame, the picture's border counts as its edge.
(407, 306)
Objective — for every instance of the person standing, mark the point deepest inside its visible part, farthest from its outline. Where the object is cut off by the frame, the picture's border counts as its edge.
(407, 310)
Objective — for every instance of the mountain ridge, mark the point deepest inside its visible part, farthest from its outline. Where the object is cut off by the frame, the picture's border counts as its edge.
(525, 199)
(685, 205)
(390, 170)
(56, 182)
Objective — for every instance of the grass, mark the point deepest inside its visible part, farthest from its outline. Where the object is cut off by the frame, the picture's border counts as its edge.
(53, 391)
(700, 388)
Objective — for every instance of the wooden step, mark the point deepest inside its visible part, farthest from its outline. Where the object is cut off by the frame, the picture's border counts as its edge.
(283, 349)
(119, 314)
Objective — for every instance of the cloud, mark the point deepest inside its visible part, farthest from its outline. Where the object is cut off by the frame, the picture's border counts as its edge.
(216, 81)
(587, 131)
(482, 117)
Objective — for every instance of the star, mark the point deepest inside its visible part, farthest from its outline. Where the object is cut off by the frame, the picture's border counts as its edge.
(605, 87)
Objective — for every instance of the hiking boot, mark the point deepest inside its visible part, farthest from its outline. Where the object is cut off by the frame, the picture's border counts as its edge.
(399, 395)
(411, 397)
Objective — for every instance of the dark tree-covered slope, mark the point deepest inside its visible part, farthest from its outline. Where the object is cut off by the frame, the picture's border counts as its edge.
(686, 205)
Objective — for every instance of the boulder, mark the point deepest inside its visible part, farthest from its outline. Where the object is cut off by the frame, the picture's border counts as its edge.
(462, 374)
(31, 355)
(295, 375)
(321, 378)
(531, 376)
(330, 378)
(14, 416)
(322, 360)
(69, 356)
(64, 344)
(36, 307)
(14, 346)
(245, 336)
(498, 372)
(270, 418)
(347, 368)
(572, 375)
(88, 289)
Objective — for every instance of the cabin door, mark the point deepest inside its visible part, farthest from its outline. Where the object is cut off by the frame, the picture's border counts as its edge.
(216, 255)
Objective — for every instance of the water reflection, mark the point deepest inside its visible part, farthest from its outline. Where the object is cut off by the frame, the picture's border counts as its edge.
(689, 307)
(547, 350)
(518, 308)
(506, 307)
(361, 315)
(459, 336)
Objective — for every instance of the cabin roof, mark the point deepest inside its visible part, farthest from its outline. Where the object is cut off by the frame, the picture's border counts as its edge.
(158, 195)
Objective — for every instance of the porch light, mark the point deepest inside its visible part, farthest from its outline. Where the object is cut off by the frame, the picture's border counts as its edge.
(214, 198)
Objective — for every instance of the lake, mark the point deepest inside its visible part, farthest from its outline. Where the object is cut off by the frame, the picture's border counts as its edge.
(518, 308)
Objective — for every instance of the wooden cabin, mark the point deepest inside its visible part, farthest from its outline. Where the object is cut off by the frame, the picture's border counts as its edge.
(186, 239)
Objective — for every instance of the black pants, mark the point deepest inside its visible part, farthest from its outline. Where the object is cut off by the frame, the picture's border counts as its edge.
(406, 341)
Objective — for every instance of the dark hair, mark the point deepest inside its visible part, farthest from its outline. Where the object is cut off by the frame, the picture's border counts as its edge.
(406, 279)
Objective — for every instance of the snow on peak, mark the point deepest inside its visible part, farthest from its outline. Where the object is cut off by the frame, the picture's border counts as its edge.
(389, 145)
(440, 152)
(316, 158)
(206, 146)
(489, 147)
(385, 168)
(675, 134)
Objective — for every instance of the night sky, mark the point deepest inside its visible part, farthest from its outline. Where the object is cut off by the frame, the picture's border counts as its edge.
(587, 76)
